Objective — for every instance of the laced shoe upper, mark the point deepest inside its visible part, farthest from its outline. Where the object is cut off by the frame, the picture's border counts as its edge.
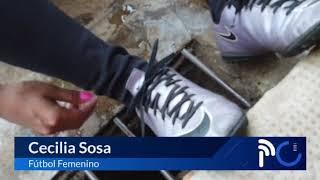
(174, 106)
(218, 5)
(261, 26)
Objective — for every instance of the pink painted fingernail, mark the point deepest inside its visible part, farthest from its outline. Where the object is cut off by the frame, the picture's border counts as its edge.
(86, 96)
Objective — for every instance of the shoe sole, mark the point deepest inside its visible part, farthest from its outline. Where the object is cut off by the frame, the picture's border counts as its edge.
(305, 42)
(235, 59)
(240, 126)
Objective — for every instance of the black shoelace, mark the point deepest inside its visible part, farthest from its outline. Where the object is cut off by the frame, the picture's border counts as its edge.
(156, 73)
(218, 5)
(264, 3)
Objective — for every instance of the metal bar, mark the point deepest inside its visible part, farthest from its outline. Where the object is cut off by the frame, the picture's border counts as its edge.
(91, 175)
(213, 75)
(129, 133)
(123, 127)
(166, 175)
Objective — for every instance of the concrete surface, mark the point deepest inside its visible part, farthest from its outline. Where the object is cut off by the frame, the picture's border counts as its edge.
(289, 109)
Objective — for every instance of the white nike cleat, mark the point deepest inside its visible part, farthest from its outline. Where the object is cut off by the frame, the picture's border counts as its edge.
(249, 28)
(173, 106)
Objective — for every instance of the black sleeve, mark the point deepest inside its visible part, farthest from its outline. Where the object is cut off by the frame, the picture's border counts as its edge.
(35, 35)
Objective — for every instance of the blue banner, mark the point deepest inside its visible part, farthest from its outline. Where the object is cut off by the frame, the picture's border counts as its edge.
(121, 153)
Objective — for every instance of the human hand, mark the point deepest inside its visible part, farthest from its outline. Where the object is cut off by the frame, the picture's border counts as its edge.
(35, 105)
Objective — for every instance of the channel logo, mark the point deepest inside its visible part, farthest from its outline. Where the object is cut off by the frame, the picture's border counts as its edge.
(267, 149)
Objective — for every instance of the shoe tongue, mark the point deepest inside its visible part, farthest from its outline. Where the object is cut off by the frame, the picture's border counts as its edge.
(135, 81)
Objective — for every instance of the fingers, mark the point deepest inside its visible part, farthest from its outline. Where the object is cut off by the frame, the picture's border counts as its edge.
(35, 105)
(56, 118)
(59, 94)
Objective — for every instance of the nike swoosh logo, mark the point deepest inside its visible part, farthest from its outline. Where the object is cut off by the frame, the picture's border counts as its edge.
(202, 129)
(229, 35)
